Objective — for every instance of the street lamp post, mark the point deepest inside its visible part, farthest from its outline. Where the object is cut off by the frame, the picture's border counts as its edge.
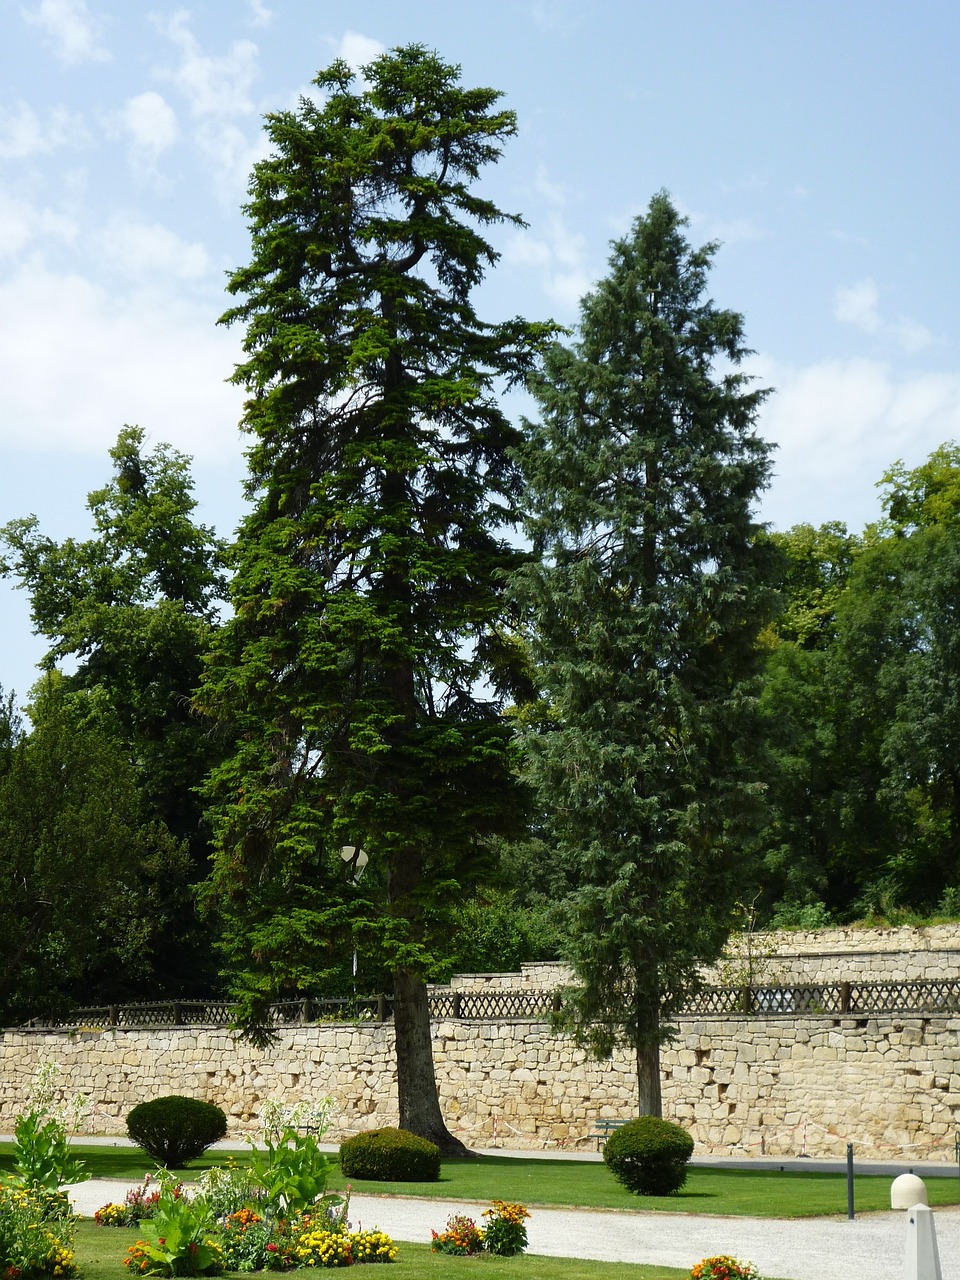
(356, 859)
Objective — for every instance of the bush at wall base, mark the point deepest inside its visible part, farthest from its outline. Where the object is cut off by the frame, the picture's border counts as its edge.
(174, 1129)
(390, 1155)
(649, 1156)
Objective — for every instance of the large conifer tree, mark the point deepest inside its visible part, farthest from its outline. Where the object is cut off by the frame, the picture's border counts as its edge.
(367, 587)
(646, 603)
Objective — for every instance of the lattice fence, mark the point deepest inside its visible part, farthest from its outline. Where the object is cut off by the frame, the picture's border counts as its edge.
(846, 999)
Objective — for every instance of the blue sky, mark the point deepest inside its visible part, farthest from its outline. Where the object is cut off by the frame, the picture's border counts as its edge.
(816, 140)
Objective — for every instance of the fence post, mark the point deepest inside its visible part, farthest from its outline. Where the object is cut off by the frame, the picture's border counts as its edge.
(844, 997)
(456, 1005)
(112, 1016)
(381, 1008)
(556, 1003)
(305, 1009)
(177, 1019)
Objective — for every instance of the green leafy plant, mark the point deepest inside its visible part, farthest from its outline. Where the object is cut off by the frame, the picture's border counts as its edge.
(463, 1237)
(42, 1158)
(178, 1239)
(390, 1155)
(649, 1156)
(293, 1172)
(505, 1233)
(32, 1244)
(174, 1129)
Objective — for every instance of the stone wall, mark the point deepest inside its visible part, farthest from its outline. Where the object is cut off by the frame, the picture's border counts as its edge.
(816, 956)
(783, 1085)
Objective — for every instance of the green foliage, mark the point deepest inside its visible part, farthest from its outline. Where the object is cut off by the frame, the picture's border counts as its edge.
(35, 1244)
(86, 874)
(649, 1156)
(650, 588)
(130, 612)
(293, 1172)
(360, 678)
(505, 1233)
(494, 934)
(43, 1159)
(174, 1130)
(392, 1155)
(860, 705)
(177, 1240)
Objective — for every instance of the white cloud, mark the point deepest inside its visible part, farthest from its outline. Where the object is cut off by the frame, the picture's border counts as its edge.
(859, 305)
(141, 251)
(218, 93)
(213, 86)
(151, 124)
(71, 29)
(24, 134)
(357, 50)
(22, 223)
(559, 255)
(260, 15)
(839, 424)
(726, 230)
(77, 363)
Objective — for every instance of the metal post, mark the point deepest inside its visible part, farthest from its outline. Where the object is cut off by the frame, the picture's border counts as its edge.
(850, 1214)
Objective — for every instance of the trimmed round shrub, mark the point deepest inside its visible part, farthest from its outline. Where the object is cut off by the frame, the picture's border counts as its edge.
(174, 1130)
(390, 1155)
(649, 1156)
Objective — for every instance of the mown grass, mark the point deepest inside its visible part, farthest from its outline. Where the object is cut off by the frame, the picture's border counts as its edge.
(100, 1251)
(765, 1193)
(760, 1193)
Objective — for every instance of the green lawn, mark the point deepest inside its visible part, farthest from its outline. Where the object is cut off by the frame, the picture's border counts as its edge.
(100, 1250)
(764, 1193)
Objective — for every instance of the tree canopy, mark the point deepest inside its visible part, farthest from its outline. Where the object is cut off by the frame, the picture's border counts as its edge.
(646, 596)
(362, 674)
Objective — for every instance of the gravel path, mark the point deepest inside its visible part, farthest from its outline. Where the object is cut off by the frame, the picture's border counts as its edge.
(794, 1249)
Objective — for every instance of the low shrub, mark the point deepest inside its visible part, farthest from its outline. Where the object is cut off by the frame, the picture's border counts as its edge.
(175, 1130)
(649, 1156)
(390, 1155)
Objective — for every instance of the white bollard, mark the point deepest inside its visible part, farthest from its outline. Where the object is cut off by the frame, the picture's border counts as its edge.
(922, 1258)
(906, 1191)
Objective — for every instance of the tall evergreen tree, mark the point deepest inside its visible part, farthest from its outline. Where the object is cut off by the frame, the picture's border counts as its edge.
(368, 573)
(646, 603)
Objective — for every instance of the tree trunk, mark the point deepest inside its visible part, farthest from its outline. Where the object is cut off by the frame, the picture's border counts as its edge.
(648, 1079)
(416, 1079)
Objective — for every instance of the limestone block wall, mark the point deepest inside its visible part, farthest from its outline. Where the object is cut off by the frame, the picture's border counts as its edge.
(846, 955)
(822, 955)
(782, 1085)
